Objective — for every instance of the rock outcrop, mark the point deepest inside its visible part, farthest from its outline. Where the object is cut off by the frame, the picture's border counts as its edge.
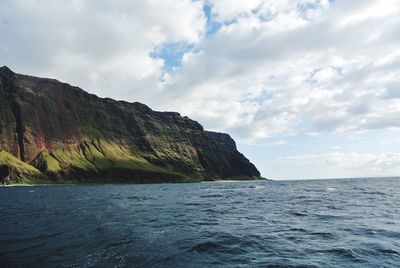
(65, 133)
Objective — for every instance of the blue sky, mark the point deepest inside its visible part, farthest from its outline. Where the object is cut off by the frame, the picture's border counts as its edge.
(308, 88)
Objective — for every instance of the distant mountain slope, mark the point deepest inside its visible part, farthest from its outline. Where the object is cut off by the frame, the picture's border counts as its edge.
(69, 134)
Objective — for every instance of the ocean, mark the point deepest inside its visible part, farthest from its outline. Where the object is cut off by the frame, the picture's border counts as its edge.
(314, 223)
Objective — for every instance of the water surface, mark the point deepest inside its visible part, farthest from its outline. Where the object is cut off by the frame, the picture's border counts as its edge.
(324, 223)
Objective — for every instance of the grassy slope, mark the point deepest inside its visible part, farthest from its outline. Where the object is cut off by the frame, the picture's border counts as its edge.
(26, 173)
(100, 156)
(13, 162)
(96, 156)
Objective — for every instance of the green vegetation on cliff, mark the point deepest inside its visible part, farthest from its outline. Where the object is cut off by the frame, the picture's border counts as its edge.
(16, 164)
(18, 171)
(46, 163)
(65, 133)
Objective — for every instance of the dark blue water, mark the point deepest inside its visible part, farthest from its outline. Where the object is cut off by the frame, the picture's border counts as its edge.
(332, 223)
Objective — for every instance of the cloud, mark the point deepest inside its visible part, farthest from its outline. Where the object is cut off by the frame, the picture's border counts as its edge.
(367, 163)
(101, 46)
(324, 66)
(270, 68)
(231, 9)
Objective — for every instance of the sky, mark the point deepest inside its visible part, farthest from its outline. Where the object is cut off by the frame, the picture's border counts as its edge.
(307, 88)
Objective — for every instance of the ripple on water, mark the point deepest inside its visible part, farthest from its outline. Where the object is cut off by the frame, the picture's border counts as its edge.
(299, 214)
(341, 252)
(215, 248)
(211, 195)
(352, 223)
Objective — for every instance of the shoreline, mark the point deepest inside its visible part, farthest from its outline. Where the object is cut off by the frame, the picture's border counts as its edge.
(217, 181)
(55, 184)
(16, 184)
(31, 185)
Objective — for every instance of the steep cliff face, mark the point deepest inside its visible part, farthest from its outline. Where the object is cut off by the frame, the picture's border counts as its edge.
(67, 133)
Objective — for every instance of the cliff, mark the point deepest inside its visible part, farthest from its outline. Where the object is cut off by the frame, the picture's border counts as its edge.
(57, 132)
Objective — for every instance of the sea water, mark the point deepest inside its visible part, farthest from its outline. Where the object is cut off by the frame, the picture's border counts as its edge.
(316, 223)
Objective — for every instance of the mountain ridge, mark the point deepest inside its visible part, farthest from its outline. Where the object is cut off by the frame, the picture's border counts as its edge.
(69, 134)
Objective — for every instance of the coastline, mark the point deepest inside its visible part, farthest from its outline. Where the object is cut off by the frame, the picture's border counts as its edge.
(32, 185)
(17, 184)
(217, 181)
(85, 183)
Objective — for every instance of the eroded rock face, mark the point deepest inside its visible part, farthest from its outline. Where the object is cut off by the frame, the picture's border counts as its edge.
(4, 172)
(66, 132)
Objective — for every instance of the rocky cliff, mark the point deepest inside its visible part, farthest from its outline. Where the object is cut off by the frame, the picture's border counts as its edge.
(57, 132)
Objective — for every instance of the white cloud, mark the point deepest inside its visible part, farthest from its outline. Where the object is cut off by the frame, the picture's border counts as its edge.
(101, 46)
(325, 76)
(230, 9)
(326, 67)
(274, 67)
(382, 163)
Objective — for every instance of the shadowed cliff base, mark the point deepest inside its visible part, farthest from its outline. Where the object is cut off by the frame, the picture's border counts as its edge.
(54, 132)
